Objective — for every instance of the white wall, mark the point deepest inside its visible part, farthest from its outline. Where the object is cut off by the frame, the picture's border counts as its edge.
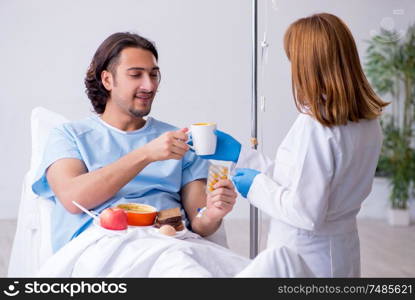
(204, 46)
(46, 47)
(362, 16)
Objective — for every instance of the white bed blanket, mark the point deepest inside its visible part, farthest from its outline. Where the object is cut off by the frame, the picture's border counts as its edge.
(144, 252)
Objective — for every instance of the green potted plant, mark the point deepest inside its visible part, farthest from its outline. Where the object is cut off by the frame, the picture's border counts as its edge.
(390, 66)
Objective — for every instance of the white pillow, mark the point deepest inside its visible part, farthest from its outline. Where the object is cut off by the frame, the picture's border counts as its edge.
(31, 245)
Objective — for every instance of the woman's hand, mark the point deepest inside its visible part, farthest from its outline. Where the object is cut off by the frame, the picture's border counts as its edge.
(227, 148)
(243, 179)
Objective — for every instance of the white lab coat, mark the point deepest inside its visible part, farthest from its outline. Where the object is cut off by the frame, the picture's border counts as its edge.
(313, 191)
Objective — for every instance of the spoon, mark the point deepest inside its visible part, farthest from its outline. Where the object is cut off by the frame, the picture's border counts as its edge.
(85, 210)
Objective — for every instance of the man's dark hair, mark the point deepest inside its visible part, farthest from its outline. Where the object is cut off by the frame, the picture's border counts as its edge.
(106, 58)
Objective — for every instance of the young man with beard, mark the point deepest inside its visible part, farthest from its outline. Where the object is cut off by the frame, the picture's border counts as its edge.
(118, 156)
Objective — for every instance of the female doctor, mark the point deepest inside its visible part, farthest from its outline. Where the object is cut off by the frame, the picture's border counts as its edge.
(325, 166)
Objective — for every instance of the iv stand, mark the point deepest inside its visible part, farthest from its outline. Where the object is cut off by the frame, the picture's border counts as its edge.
(253, 225)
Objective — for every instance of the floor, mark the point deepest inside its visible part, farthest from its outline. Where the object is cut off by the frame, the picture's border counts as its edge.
(385, 251)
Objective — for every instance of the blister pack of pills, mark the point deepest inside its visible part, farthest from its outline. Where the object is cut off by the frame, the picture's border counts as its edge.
(217, 171)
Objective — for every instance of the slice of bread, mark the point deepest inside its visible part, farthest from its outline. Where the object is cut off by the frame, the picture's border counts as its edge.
(171, 217)
(169, 213)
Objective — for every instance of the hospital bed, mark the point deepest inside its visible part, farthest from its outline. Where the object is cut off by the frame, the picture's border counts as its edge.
(32, 243)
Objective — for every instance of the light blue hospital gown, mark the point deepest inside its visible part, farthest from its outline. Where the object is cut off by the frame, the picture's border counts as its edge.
(98, 144)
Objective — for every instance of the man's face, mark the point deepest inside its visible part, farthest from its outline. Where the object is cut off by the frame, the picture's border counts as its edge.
(135, 82)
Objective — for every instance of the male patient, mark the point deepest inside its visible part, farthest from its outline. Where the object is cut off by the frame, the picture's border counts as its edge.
(117, 156)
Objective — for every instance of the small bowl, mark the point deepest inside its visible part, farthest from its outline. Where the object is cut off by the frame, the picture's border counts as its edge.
(139, 214)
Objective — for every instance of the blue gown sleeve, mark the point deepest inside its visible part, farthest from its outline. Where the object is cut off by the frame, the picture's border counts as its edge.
(194, 168)
(61, 144)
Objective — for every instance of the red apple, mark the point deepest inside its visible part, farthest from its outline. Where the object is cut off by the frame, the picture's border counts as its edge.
(113, 218)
